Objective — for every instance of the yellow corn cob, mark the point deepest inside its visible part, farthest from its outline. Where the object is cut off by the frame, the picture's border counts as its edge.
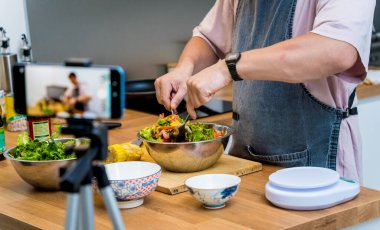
(123, 152)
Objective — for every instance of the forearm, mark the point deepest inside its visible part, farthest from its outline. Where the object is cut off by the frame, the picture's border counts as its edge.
(196, 56)
(304, 58)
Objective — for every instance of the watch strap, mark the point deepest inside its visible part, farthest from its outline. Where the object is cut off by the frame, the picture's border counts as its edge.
(231, 65)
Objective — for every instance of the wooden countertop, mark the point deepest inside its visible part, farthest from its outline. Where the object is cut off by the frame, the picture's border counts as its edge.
(22, 207)
(366, 91)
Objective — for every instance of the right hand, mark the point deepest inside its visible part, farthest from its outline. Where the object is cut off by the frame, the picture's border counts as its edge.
(171, 88)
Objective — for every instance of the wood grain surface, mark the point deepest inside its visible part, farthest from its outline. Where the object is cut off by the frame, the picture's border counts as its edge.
(174, 183)
(366, 91)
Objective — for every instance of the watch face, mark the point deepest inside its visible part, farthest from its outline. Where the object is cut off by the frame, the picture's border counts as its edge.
(232, 56)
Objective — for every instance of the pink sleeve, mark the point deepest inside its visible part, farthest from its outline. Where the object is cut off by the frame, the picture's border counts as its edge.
(349, 21)
(216, 28)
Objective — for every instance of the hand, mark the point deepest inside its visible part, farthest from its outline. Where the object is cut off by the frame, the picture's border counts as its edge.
(202, 86)
(72, 101)
(171, 88)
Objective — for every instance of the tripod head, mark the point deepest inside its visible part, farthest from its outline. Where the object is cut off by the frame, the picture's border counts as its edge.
(73, 177)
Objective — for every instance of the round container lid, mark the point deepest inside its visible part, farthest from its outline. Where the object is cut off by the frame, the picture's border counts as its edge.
(304, 177)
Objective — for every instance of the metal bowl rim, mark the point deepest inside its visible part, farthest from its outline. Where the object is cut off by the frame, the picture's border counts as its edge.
(229, 133)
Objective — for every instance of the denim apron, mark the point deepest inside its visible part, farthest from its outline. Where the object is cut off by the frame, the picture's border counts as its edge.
(275, 122)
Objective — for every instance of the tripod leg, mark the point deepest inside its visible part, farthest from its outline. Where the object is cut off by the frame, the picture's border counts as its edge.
(72, 211)
(80, 214)
(87, 206)
(113, 210)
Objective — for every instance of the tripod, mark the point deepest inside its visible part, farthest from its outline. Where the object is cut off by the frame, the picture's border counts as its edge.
(76, 180)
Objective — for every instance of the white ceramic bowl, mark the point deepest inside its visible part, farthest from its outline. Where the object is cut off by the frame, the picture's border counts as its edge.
(132, 181)
(213, 190)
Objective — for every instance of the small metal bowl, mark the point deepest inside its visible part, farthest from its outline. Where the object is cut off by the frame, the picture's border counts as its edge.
(43, 175)
(189, 156)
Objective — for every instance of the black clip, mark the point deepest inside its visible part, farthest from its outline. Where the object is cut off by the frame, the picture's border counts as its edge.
(350, 112)
(235, 116)
(83, 62)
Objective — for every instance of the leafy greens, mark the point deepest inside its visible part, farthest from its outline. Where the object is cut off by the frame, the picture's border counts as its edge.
(166, 130)
(40, 150)
(199, 132)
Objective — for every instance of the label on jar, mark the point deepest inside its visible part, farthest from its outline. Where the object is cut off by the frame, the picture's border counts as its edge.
(40, 129)
(14, 121)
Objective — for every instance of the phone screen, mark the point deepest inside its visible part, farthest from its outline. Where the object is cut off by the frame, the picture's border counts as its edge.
(63, 91)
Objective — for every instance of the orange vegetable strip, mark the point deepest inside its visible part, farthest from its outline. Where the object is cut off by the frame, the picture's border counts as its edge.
(167, 127)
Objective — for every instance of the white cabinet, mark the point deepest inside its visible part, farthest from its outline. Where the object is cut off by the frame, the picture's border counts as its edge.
(369, 120)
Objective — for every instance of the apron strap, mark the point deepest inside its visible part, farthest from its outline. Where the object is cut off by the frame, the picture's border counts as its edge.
(351, 111)
(235, 116)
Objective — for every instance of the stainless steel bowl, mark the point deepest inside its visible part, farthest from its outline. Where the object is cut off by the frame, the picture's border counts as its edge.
(189, 156)
(41, 174)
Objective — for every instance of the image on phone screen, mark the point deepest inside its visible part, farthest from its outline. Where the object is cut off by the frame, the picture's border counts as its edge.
(68, 92)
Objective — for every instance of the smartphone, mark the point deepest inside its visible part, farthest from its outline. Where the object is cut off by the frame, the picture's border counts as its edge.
(95, 92)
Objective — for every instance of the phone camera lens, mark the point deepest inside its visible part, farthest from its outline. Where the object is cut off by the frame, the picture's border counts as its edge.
(114, 83)
(21, 70)
(114, 94)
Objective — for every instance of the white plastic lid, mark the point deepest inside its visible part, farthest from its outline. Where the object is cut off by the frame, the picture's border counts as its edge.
(304, 177)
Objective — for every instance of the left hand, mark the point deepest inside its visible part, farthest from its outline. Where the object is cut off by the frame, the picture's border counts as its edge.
(202, 86)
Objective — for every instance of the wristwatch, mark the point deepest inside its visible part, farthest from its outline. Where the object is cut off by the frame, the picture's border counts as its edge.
(231, 60)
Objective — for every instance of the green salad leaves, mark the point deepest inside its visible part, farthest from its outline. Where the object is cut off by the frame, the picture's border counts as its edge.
(146, 133)
(40, 150)
(199, 132)
(166, 129)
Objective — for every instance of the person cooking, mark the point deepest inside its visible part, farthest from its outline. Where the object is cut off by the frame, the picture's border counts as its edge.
(76, 96)
(294, 67)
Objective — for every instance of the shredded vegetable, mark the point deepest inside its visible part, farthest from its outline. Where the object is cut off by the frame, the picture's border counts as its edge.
(166, 130)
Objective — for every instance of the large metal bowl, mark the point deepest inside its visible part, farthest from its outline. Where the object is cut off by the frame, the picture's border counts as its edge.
(189, 156)
(43, 175)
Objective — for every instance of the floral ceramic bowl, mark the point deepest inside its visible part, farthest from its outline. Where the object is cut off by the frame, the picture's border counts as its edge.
(132, 181)
(213, 190)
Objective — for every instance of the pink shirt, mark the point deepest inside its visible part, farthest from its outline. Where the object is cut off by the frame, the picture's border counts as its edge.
(344, 20)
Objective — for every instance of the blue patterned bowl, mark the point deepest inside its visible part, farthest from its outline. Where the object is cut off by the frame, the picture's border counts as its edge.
(132, 181)
(213, 190)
